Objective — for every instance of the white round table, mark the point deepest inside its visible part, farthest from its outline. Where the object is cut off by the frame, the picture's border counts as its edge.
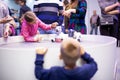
(17, 57)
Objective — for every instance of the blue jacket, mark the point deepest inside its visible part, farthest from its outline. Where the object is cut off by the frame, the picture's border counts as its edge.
(84, 72)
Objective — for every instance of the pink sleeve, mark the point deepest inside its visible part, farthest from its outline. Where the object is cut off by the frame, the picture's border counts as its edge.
(43, 25)
(25, 33)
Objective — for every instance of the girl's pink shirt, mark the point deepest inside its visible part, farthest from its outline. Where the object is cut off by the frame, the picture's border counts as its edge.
(28, 31)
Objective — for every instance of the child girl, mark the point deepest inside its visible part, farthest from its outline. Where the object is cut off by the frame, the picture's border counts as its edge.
(29, 27)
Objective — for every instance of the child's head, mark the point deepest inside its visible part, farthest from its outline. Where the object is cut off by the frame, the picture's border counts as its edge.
(22, 2)
(70, 52)
(30, 17)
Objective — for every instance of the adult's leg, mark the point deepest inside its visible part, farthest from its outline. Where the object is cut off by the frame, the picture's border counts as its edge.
(92, 27)
(115, 31)
(118, 32)
(112, 30)
(104, 30)
(96, 30)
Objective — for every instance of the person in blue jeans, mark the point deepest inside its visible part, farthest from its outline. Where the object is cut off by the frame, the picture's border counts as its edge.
(94, 22)
(70, 51)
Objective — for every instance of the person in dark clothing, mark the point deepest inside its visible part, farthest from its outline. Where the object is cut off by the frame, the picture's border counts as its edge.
(75, 12)
(118, 35)
(71, 51)
(109, 22)
(24, 8)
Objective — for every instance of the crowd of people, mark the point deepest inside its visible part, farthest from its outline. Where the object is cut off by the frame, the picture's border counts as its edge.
(49, 13)
(69, 14)
(46, 16)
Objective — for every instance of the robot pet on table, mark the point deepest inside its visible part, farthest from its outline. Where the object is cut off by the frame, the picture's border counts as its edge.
(71, 33)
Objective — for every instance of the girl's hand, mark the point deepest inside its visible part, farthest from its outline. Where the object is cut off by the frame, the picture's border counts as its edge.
(38, 38)
(54, 25)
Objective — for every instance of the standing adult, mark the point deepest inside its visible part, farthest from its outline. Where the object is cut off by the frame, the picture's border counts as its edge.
(110, 11)
(94, 22)
(49, 11)
(24, 8)
(66, 19)
(118, 35)
(4, 12)
(76, 14)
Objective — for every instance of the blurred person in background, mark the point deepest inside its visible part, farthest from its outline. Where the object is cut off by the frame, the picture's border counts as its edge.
(49, 11)
(76, 12)
(94, 22)
(66, 19)
(4, 12)
(10, 27)
(109, 22)
(24, 8)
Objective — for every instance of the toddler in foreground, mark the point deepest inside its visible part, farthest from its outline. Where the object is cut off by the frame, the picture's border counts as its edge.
(70, 52)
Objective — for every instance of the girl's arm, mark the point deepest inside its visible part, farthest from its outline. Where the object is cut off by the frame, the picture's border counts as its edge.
(43, 25)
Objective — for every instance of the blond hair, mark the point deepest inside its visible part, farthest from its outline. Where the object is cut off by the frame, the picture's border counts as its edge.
(70, 52)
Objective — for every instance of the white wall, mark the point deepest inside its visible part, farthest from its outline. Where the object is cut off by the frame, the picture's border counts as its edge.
(91, 5)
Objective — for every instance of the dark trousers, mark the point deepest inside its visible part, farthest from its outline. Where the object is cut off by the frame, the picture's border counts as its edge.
(118, 35)
(107, 30)
(111, 30)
